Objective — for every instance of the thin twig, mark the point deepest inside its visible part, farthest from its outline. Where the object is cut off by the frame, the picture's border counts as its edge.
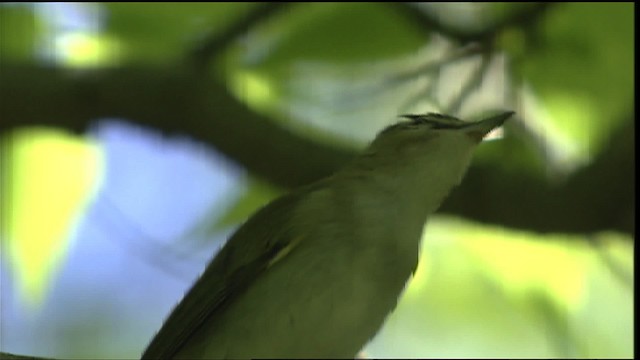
(617, 270)
(559, 334)
(472, 83)
(436, 65)
(139, 242)
(428, 93)
(216, 42)
(431, 22)
(401, 77)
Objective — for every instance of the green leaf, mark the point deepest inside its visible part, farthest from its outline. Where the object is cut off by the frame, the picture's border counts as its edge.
(19, 29)
(166, 32)
(343, 32)
(582, 69)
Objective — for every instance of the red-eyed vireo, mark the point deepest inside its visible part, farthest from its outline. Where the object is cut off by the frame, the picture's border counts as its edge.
(315, 273)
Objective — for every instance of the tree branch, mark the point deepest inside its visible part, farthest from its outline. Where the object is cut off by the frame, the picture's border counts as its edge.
(600, 197)
(172, 101)
(216, 42)
(9, 356)
(430, 22)
(472, 83)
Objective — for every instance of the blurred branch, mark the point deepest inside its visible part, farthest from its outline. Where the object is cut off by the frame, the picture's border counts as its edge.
(472, 83)
(131, 237)
(215, 43)
(599, 197)
(172, 101)
(434, 66)
(180, 102)
(9, 356)
(555, 319)
(614, 266)
(431, 22)
(398, 78)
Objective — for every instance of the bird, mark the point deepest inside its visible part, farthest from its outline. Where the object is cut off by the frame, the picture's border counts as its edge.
(315, 272)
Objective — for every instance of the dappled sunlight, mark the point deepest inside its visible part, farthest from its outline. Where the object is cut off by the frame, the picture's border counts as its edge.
(483, 291)
(76, 37)
(80, 50)
(253, 88)
(522, 263)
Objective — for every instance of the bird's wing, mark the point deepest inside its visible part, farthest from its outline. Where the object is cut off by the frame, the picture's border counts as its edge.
(236, 266)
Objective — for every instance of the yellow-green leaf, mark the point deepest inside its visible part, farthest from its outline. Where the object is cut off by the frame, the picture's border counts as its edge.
(48, 178)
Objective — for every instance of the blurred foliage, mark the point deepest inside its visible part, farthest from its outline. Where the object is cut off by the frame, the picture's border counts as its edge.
(331, 66)
(19, 28)
(579, 63)
(338, 33)
(164, 33)
(483, 291)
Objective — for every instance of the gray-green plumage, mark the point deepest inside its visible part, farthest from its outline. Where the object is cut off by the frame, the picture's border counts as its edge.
(316, 272)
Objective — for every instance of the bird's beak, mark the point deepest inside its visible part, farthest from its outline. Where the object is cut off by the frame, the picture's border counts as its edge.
(478, 130)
